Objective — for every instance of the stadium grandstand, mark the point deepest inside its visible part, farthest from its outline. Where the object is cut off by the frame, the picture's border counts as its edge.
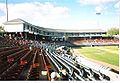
(26, 30)
(29, 52)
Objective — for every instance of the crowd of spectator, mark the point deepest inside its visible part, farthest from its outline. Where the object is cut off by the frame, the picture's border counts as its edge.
(95, 41)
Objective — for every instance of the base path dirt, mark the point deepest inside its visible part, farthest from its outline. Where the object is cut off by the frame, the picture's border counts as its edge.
(77, 53)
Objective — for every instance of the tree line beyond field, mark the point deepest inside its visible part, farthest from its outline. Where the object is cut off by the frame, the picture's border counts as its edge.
(113, 31)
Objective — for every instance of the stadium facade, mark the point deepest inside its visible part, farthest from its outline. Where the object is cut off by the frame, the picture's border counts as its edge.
(27, 29)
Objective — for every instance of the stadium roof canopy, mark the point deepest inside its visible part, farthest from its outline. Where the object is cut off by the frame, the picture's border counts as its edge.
(20, 21)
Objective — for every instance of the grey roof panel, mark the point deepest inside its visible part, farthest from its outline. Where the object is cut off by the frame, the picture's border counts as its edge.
(15, 21)
(20, 21)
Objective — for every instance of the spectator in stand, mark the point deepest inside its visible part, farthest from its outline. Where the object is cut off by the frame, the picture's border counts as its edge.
(84, 73)
(30, 48)
(64, 75)
(54, 76)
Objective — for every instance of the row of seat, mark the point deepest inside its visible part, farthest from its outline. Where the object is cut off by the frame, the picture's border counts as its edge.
(8, 48)
(38, 66)
(25, 58)
(13, 73)
(22, 62)
(46, 66)
(9, 59)
(8, 42)
(5, 54)
(33, 73)
(96, 40)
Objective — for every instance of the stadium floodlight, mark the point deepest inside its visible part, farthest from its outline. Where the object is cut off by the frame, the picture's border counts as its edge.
(6, 9)
(98, 14)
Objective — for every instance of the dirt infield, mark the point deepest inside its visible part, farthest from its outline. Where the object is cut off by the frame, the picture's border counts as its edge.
(77, 53)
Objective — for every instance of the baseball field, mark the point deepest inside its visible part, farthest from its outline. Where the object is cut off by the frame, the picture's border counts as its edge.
(108, 54)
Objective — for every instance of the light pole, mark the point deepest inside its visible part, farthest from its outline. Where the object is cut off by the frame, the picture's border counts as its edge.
(98, 14)
(6, 9)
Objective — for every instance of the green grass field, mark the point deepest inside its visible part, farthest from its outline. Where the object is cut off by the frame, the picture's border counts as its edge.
(108, 54)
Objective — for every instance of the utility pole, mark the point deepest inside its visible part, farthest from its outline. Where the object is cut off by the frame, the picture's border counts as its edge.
(7, 9)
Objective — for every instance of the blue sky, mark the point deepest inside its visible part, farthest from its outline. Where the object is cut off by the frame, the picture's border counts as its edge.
(64, 14)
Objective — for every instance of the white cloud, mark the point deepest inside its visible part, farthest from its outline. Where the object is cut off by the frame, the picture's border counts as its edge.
(117, 5)
(99, 4)
(84, 24)
(95, 2)
(99, 9)
(42, 14)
